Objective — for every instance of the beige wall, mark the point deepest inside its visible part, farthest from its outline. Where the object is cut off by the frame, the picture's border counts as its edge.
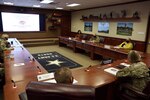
(139, 27)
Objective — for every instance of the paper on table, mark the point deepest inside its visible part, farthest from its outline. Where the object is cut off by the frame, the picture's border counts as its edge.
(18, 64)
(111, 70)
(53, 81)
(117, 47)
(45, 76)
(125, 64)
(107, 46)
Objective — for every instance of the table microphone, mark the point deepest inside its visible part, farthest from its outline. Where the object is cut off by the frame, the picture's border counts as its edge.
(22, 47)
(39, 69)
(88, 69)
(30, 58)
(33, 59)
(14, 83)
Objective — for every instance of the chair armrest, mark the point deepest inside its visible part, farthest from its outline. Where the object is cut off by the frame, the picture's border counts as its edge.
(134, 91)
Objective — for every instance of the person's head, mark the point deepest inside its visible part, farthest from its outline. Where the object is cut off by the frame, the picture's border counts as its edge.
(63, 75)
(79, 32)
(94, 34)
(128, 40)
(134, 56)
(5, 36)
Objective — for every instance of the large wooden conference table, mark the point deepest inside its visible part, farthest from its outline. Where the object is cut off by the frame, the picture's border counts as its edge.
(94, 48)
(23, 74)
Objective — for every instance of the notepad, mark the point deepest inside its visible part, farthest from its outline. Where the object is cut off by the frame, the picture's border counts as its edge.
(111, 70)
(19, 64)
(45, 76)
(125, 64)
(54, 81)
(107, 46)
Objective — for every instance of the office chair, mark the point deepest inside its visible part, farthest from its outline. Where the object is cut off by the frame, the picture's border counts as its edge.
(128, 92)
(23, 96)
(2, 77)
(52, 91)
(101, 39)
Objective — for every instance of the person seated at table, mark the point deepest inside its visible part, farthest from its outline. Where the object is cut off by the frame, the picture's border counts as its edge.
(4, 44)
(126, 44)
(137, 72)
(94, 38)
(63, 75)
(78, 36)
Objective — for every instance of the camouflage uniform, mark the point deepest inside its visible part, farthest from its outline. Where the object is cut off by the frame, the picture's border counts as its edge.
(95, 39)
(139, 74)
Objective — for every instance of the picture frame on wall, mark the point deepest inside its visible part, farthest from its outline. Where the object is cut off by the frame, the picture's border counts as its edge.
(88, 26)
(103, 27)
(125, 28)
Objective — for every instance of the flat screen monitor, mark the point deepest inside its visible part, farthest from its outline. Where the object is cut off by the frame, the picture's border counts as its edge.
(21, 22)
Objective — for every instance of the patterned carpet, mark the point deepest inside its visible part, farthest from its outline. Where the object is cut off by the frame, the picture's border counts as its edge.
(53, 60)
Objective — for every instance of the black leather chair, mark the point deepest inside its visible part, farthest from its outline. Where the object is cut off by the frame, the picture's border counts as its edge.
(2, 77)
(23, 96)
(128, 92)
(101, 39)
(52, 91)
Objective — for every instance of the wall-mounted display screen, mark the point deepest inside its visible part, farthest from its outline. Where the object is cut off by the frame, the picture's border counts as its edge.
(21, 22)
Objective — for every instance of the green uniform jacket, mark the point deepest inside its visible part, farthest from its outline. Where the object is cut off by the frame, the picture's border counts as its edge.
(139, 74)
(95, 39)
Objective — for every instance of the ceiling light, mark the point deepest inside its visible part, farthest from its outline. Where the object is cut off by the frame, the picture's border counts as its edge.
(46, 1)
(73, 5)
(8, 3)
(36, 6)
(59, 8)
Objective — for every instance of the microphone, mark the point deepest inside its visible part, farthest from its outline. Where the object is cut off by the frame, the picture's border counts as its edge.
(88, 68)
(14, 84)
(39, 69)
(30, 58)
(33, 59)
(22, 47)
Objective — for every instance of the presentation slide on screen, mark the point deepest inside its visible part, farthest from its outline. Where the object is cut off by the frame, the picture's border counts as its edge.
(20, 22)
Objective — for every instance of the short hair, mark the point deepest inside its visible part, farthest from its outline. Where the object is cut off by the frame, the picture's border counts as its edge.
(63, 75)
(4, 36)
(128, 39)
(134, 56)
(79, 32)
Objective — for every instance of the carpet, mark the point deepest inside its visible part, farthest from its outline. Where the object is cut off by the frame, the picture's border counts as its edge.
(51, 61)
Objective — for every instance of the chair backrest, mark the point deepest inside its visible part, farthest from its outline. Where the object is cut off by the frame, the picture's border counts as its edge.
(53, 91)
(147, 89)
(101, 39)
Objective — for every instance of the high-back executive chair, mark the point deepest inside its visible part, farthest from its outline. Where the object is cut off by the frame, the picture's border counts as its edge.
(127, 92)
(53, 91)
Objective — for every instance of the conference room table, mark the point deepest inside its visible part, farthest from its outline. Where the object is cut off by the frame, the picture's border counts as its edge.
(94, 49)
(21, 68)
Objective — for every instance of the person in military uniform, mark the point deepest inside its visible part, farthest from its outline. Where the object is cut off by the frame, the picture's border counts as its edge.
(137, 72)
(4, 45)
(94, 38)
(63, 75)
(126, 44)
(4, 42)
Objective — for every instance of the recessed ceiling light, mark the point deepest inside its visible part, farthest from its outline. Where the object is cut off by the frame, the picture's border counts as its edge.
(36, 6)
(8, 3)
(73, 5)
(46, 1)
(59, 8)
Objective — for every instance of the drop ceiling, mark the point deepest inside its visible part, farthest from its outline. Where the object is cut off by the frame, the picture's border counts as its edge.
(84, 4)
